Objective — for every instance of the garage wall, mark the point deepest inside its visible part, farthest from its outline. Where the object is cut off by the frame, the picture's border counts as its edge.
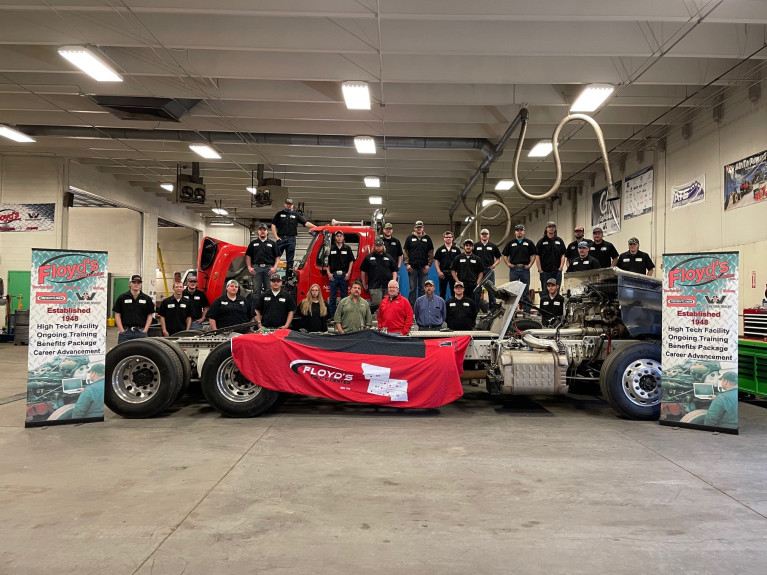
(30, 180)
(234, 235)
(115, 230)
(179, 253)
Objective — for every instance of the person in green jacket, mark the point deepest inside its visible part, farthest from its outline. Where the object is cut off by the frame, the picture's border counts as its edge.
(91, 400)
(723, 411)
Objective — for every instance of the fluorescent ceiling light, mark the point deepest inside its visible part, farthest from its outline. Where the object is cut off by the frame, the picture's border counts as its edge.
(504, 185)
(14, 135)
(205, 151)
(365, 144)
(372, 182)
(168, 187)
(592, 97)
(375, 200)
(221, 223)
(220, 211)
(252, 189)
(90, 64)
(541, 149)
(356, 95)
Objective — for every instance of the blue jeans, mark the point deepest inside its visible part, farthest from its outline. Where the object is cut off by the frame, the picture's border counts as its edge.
(522, 275)
(417, 281)
(557, 275)
(337, 282)
(490, 297)
(128, 334)
(260, 279)
(287, 246)
(195, 325)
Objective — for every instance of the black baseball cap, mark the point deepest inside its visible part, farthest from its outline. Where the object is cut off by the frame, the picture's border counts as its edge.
(519, 227)
(136, 278)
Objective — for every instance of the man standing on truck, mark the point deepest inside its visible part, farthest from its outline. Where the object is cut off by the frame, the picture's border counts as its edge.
(468, 269)
(637, 261)
(275, 308)
(133, 312)
(419, 253)
(551, 254)
(198, 302)
(395, 314)
(175, 312)
(262, 259)
(339, 270)
(461, 312)
(604, 251)
(490, 256)
(443, 262)
(285, 229)
(353, 313)
(552, 303)
(392, 245)
(519, 254)
(584, 262)
(377, 270)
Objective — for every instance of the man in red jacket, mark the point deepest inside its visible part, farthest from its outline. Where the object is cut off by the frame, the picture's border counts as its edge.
(395, 314)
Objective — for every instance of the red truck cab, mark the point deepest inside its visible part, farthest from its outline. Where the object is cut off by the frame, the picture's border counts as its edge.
(219, 261)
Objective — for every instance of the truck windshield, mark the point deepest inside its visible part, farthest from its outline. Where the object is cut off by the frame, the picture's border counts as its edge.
(309, 248)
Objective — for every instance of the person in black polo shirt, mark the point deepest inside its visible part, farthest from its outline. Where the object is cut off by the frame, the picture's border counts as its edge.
(175, 311)
(262, 259)
(552, 303)
(198, 302)
(339, 270)
(519, 254)
(551, 254)
(133, 312)
(490, 256)
(572, 248)
(637, 261)
(443, 262)
(419, 253)
(604, 251)
(461, 313)
(377, 270)
(229, 309)
(468, 269)
(584, 262)
(275, 308)
(285, 229)
(392, 245)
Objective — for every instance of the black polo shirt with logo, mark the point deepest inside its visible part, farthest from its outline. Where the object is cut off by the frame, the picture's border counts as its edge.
(393, 247)
(274, 309)
(262, 252)
(604, 252)
(287, 223)
(228, 312)
(175, 311)
(572, 249)
(418, 250)
(550, 250)
(520, 251)
(468, 268)
(461, 314)
(639, 262)
(380, 269)
(487, 253)
(198, 301)
(340, 258)
(584, 264)
(446, 256)
(133, 311)
(552, 307)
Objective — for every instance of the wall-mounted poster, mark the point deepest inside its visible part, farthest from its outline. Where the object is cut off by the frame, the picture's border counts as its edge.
(700, 341)
(688, 194)
(67, 337)
(26, 217)
(606, 209)
(638, 195)
(745, 181)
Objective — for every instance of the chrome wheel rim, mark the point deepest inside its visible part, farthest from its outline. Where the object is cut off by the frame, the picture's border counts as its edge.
(641, 382)
(136, 379)
(232, 385)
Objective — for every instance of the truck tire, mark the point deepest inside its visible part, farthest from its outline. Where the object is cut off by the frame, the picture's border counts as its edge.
(186, 367)
(630, 380)
(697, 416)
(227, 390)
(143, 378)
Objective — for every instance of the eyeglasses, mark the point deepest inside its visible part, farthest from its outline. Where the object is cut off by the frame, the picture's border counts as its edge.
(136, 281)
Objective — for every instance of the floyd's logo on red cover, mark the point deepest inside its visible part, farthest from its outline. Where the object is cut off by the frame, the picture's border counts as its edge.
(320, 371)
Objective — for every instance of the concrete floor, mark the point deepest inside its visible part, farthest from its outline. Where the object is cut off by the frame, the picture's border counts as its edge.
(552, 486)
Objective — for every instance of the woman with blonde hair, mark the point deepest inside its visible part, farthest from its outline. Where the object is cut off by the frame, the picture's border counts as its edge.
(313, 311)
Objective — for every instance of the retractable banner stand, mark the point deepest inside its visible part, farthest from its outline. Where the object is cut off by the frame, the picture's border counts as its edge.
(700, 341)
(67, 337)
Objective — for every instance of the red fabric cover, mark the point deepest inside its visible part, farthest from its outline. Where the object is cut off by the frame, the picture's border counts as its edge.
(396, 316)
(273, 362)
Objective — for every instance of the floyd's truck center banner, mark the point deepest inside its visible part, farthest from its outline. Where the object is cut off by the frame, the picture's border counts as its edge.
(67, 337)
(700, 341)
